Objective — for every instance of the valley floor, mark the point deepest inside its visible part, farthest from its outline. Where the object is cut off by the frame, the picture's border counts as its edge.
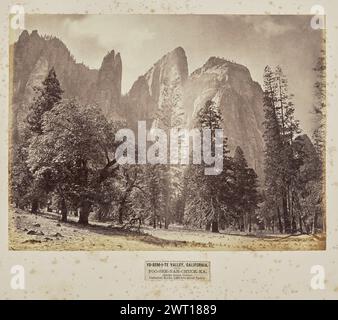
(44, 232)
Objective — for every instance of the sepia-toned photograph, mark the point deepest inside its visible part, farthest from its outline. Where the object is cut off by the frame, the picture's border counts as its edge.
(167, 132)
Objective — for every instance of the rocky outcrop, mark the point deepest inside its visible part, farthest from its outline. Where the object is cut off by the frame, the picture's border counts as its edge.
(239, 98)
(34, 55)
(228, 84)
(166, 77)
(108, 85)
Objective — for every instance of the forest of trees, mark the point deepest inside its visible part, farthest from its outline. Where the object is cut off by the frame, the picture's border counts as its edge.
(64, 161)
(293, 188)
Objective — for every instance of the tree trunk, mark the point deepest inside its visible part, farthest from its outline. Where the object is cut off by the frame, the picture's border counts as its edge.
(323, 212)
(280, 224)
(294, 225)
(63, 211)
(154, 222)
(121, 208)
(315, 221)
(123, 203)
(242, 223)
(287, 224)
(239, 223)
(166, 223)
(35, 206)
(300, 223)
(214, 226)
(84, 212)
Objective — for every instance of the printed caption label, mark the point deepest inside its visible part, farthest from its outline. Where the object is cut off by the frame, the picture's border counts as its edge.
(177, 270)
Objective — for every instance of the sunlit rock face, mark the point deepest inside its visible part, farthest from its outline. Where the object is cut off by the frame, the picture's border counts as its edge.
(240, 100)
(165, 80)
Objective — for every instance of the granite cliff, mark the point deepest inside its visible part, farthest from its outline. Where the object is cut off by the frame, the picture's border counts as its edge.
(227, 83)
(240, 100)
(166, 77)
(33, 55)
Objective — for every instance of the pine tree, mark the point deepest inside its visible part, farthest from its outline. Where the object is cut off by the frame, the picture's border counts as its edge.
(281, 163)
(273, 146)
(210, 117)
(290, 129)
(246, 196)
(169, 115)
(253, 197)
(319, 108)
(241, 167)
(154, 190)
(208, 194)
(47, 97)
(319, 133)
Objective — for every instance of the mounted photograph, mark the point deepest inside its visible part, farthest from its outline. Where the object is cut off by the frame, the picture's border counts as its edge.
(167, 133)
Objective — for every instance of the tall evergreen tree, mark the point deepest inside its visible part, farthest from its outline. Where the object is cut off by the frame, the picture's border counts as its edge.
(289, 130)
(170, 177)
(46, 98)
(319, 133)
(208, 194)
(273, 147)
(155, 189)
(246, 196)
(319, 108)
(281, 162)
(253, 197)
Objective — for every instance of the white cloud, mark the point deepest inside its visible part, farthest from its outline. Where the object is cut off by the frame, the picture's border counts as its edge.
(268, 26)
(112, 32)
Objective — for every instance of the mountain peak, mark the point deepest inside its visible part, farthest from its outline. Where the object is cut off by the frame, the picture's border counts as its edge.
(118, 59)
(179, 51)
(35, 34)
(108, 86)
(215, 61)
(110, 56)
(24, 36)
(111, 63)
(223, 68)
(230, 86)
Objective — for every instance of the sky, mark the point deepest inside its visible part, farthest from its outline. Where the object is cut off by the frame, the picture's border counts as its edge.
(252, 40)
